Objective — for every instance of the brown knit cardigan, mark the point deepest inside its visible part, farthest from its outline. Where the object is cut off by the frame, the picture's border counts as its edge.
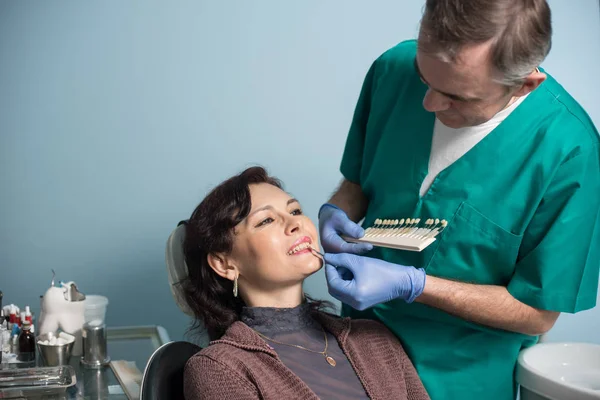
(241, 366)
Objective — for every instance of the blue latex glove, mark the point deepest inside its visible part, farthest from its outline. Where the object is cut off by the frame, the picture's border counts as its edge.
(362, 282)
(334, 222)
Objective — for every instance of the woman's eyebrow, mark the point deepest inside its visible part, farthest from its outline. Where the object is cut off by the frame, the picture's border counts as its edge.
(270, 207)
(267, 207)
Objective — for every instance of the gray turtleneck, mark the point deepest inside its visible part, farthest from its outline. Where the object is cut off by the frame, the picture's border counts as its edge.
(297, 326)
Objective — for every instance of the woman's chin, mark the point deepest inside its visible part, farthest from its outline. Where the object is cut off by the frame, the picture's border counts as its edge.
(314, 265)
(308, 263)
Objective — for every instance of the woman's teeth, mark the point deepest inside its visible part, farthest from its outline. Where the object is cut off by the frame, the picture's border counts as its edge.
(301, 246)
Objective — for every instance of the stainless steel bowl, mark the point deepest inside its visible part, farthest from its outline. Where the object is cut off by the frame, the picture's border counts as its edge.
(54, 355)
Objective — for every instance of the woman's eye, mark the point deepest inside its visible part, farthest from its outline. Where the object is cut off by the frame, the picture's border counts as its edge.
(265, 222)
(297, 211)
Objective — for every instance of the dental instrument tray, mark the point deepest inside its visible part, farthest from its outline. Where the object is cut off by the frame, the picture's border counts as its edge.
(403, 234)
(44, 381)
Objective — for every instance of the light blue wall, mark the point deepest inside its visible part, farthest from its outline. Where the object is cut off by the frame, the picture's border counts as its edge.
(117, 117)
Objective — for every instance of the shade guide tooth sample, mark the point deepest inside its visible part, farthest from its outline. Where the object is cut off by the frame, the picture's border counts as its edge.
(402, 234)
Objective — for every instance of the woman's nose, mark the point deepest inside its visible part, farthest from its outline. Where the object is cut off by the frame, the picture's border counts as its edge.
(293, 225)
(434, 101)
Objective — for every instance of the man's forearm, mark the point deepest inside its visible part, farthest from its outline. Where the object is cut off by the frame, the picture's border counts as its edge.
(350, 198)
(486, 305)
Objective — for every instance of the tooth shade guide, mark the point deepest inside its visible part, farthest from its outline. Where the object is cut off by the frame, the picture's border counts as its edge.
(404, 234)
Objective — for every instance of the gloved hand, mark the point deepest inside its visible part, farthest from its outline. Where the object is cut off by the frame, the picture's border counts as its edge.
(362, 282)
(334, 222)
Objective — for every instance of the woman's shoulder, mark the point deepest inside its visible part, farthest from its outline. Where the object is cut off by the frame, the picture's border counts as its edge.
(217, 360)
(353, 328)
(335, 319)
(374, 338)
(214, 354)
(236, 347)
(371, 328)
(220, 351)
(220, 370)
(217, 351)
(369, 324)
(369, 331)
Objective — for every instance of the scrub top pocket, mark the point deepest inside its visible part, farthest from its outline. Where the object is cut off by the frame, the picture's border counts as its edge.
(474, 249)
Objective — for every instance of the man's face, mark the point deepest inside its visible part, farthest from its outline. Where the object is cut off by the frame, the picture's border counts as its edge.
(462, 92)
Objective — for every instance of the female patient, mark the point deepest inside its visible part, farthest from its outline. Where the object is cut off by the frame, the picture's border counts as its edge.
(248, 251)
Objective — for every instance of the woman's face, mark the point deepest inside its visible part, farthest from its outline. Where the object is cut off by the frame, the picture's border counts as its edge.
(271, 246)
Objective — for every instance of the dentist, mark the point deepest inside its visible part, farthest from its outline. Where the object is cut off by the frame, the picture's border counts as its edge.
(464, 125)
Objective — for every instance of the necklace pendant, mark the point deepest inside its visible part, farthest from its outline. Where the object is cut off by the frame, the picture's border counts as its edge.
(330, 361)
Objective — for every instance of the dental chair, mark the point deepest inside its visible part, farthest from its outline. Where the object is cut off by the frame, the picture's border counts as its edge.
(163, 376)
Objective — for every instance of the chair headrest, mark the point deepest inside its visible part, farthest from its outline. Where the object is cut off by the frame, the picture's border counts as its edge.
(176, 266)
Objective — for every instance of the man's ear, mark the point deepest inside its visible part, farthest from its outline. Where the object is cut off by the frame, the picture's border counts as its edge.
(222, 265)
(531, 83)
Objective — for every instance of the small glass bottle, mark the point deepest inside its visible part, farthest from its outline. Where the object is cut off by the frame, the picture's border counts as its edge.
(26, 344)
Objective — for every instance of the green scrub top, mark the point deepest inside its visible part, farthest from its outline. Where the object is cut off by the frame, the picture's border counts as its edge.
(523, 212)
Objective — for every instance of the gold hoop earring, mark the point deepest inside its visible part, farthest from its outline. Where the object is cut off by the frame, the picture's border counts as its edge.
(235, 287)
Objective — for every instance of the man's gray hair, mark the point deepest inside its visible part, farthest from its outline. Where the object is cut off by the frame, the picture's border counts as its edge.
(520, 31)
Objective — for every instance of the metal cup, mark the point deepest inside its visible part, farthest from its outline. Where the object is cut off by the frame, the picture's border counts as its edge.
(53, 356)
(95, 353)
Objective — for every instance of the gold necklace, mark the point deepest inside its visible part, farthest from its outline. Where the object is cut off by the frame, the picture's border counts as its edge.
(328, 358)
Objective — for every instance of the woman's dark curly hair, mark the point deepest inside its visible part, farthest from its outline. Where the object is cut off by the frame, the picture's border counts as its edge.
(210, 230)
